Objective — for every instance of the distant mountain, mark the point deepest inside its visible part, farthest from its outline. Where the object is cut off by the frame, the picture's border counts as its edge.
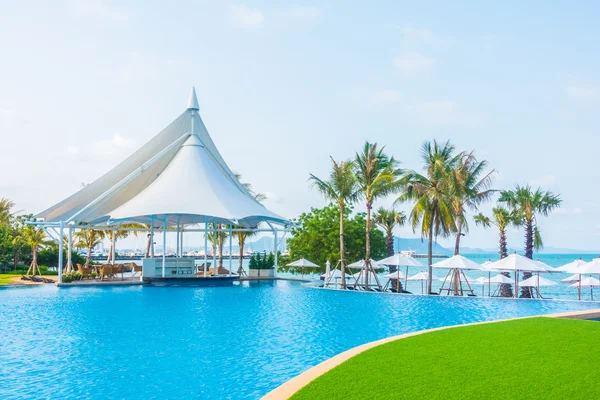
(418, 245)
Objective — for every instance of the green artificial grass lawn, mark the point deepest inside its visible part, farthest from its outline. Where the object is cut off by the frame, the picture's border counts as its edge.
(535, 358)
(6, 279)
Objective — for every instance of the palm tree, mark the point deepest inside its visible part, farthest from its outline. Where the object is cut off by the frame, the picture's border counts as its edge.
(470, 187)
(378, 176)
(431, 192)
(501, 219)
(341, 188)
(528, 204)
(36, 239)
(387, 220)
(88, 239)
(5, 206)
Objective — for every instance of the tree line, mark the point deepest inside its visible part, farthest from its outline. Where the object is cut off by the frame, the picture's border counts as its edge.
(449, 185)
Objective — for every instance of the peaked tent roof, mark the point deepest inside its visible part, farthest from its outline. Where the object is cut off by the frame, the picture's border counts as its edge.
(179, 173)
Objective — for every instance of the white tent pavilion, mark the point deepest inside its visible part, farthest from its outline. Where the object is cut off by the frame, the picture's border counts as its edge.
(423, 277)
(536, 282)
(176, 180)
(587, 282)
(516, 263)
(456, 265)
(401, 260)
(303, 263)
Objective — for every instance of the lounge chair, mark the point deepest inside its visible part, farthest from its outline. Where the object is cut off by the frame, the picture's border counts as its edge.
(433, 294)
(47, 280)
(25, 278)
(37, 279)
(135, 269)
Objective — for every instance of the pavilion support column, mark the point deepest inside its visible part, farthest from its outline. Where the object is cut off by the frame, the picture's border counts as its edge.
(152, 237)
(205, 246)
(275, 252)
(70, 250)
(215, 268)
(113, 244)
(230, 250)
(60, 252)
(164, 255)
(177, 254)
(181, 241)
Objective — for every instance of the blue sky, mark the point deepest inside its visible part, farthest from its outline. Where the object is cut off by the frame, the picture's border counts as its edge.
(284, 85)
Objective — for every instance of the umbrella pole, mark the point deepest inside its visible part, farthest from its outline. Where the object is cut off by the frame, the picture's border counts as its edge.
(398, 280)
(579, 288)
(489, 284)
(516, 283)
(406, 278)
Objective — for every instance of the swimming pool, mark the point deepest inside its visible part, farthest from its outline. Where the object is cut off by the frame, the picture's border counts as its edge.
(228, 342)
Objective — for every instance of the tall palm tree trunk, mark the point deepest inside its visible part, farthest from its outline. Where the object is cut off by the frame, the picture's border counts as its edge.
(389, 242)
(430, 256)
(342, 261)
(459, 224)
(505, 288)
(368, 245)
(241, 260)
(220, 239)
(89, 254)
(34, 262)
(525, 291)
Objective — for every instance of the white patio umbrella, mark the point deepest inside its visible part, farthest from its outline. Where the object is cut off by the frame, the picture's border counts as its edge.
(422, 276)
(361, 264)
(570, 266)
(537, 281)
(482, 280)
(501, 279)
(587, 282)
(397, 275)
(456, 265)
(361, 277)
(336, 274)
(592, 267)
(515, 263)
(401, 260)
(571, 279)
(303, 263)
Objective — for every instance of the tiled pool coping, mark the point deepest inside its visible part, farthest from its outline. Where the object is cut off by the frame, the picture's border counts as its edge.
(292, 386)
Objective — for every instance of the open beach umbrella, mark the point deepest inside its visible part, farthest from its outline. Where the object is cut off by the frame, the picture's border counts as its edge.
(336, 274)
(395, 275)
(303, 263)
(515, 263)
(361, 264)
(536, 281)
(360, 277)
(422, 276)
(592, 267)
(401, 260)
(571, 279)
(482, 280)
(587, 282)
(457, 264)
(570, 266)
(500, 279)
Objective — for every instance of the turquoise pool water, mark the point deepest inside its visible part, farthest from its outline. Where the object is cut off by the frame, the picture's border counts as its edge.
(179, 343)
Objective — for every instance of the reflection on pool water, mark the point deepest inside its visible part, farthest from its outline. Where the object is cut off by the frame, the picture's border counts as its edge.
(235, 342)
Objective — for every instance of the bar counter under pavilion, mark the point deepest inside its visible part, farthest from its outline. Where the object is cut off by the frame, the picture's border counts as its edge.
(176, 183)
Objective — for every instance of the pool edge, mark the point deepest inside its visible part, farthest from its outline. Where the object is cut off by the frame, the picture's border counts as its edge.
(292, 386)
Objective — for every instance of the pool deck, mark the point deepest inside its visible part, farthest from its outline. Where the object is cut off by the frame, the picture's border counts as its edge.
(289, 388)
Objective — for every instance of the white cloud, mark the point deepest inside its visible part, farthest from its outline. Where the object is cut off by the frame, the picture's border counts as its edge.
(308, 12)
(98, 9)
(386, 96)
(413, 63)
(583, 93)
(247, 17)
(273, 197)
(414, 37)
(113, 146)
(72, 150)
(444, 112)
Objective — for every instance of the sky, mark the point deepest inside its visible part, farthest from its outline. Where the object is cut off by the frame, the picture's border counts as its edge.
(282, 86)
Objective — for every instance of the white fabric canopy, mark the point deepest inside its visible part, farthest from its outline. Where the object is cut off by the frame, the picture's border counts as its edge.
(501, 279)
(572, 278)
(361, 264)
(587, 282)
(516, 262)
(457, 262)
(536, 281)
(570, 266)
(422, 276)
(592, 267)
(480, 281)
(179, 174)
(400, 260)
(303, 262)
(395, 275)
